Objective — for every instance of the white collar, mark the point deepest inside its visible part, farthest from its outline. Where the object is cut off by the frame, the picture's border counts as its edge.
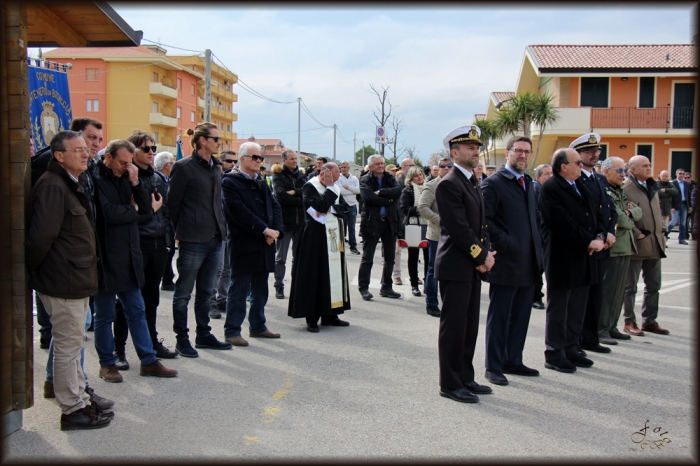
(466, 172)
(588, 174)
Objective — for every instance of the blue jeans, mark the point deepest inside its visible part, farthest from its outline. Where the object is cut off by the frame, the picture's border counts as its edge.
(431, 284)
(197, 262)
(680, 218)
(236, 303)
(135, 312)
(49, 363)
(350, 226)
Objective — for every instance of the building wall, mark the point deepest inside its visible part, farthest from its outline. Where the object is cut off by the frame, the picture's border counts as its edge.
(81, 89)
(128, 99)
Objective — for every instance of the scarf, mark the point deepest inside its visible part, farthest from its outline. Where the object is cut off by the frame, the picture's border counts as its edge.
(417, 191)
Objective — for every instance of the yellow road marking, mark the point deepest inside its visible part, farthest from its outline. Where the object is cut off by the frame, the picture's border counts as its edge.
(270, 412)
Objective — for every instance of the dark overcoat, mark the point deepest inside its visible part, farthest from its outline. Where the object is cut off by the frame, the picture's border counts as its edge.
(464, 242)
(604, 203)
(569, 224)
(310, 294)
(513, 229)
(120, 266)
(388, 197)
(249, 209)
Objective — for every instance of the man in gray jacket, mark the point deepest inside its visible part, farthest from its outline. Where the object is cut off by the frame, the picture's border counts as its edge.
(427, 208)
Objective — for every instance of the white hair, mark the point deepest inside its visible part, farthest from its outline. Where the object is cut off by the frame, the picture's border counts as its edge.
(161, 159)
(372, 158)
(243, 150)
(608, 163)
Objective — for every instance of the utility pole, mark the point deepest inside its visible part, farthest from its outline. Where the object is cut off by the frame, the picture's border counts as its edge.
(207, 85)
(335, 127)
(354, 146)
(363, 155)
(299, 127)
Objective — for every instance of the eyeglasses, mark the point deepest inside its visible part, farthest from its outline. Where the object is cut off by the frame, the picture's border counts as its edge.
(521, 152)
(148, 149)
(445, 165)
(215, 138)
(257, 158)
(577, 162)
(78, 150)
(230, 161)
(621, 170)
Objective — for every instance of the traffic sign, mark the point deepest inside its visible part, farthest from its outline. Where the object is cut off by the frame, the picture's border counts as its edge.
(381, 135)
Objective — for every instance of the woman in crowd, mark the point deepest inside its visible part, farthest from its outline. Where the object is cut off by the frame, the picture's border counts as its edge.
(409, 206)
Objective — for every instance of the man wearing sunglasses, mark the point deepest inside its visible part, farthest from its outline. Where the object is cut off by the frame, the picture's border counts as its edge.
(194, 201)
(681, 206)
(588, 147)
(427, 207)
(571, 233)
(616, 271)
(667, 192)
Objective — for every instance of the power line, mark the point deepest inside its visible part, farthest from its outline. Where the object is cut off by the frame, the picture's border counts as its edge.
(308, 112)
(287, 132)
(246, 87)
(173, 47)
(124, 69)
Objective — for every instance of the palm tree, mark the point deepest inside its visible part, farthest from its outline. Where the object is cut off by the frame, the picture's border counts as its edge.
(486, 127)
(544, 114)
(523, 108)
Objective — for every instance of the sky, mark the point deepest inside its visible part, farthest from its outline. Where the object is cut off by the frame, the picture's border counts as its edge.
(439, 63)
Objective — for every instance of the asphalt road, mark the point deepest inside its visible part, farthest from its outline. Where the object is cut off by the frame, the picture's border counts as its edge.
(371, 391)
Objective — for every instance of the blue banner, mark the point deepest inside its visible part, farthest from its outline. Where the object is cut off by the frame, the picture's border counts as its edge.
(49, 104)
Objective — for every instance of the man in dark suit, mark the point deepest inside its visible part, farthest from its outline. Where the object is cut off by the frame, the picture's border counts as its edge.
(513, 231)
(571, 233)
(543, 172)
(462, 259)
(380, 220)
(681, 206)
(588, 147)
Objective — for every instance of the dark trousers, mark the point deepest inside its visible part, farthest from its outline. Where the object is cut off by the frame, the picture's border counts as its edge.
(155, 254)
(236, 303)
(506, 325)
(613, 294)
(325, 319)
(538, 295)
(565, 311)
(43, 319)
(459, 327)
(431, 286)
(413, 254)
(369, 246)
(168, 273)
(589, 332)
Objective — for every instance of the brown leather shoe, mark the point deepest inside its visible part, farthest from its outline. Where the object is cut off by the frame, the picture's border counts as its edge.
(654, 328)
(397, 281)
(157, 369)
(110, 374)
(237, 341)
(48, 390)
(632, 329)
(265, 334)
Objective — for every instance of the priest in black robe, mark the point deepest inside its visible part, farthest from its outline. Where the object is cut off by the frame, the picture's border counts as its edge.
(320, 280)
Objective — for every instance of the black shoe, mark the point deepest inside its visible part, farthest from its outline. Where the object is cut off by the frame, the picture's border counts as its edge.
(478, 389)
(122, 364)
(103, 404)
(579, 361)
(461, 394)
(168, 287)
(598, 348)
(433, 311)
(494, 377)
(683, 242)
(214, 313)
(109, 414)
(211, 342)
(521, 370)
(389, 293)
(336, 323)
(313, 328)
(44, 342)
(355, 251)
(162, 352)
(615, 333)
(86, 418)
(279, 293)
(366, 295)
(538, 305)
(415, 291)
(561, 365)
(184, 348)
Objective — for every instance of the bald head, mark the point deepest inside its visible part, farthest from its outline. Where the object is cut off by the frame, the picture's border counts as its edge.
(663, 175)
(640, 167)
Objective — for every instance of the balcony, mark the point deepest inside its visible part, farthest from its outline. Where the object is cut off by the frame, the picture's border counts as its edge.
(643, 118)
(161, 90)
(200, 102)
(159, 119)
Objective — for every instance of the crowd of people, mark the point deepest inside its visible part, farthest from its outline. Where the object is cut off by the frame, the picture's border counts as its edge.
(105, 224)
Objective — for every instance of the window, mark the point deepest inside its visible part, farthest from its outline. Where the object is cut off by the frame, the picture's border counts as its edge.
(179, 112)
(154, 108)
(646, 93)
(179, 84)
(645, 149)
(91, 74)
(192, 89)
(228, 128)
(155, 77)
(594, 92)
(603, 152)
(192, 117)
(92, 105)
(155, 137)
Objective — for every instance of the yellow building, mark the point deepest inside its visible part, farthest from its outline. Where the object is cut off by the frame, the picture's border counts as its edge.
(128, 88)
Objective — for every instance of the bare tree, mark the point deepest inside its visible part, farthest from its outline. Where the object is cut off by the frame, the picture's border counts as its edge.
(397, 125)
(436, 156)
(411, 152)
(384, 108)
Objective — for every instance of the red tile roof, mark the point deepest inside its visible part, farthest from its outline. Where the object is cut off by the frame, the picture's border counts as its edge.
(101, 52)
(502, 96)
(479, 116)
(672, 56)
